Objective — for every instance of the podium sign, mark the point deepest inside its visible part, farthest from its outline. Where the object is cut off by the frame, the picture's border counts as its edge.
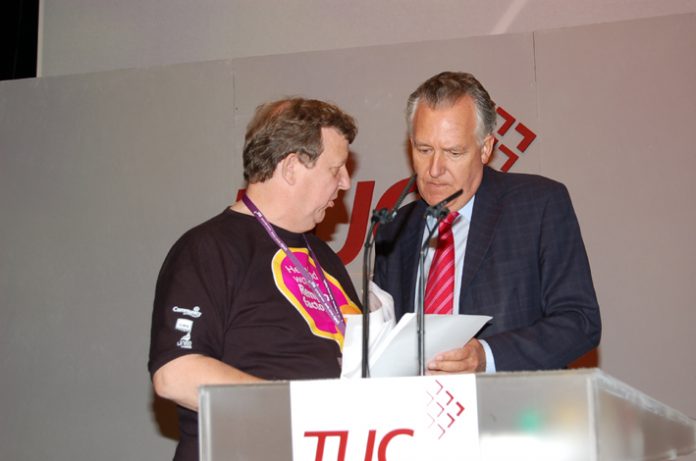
(385, 418)
(567, 415)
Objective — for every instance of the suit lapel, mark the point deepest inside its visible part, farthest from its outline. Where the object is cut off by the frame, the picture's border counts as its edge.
(484, 219)
(413, 239)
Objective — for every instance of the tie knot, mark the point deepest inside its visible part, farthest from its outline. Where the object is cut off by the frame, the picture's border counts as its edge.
(446, 223)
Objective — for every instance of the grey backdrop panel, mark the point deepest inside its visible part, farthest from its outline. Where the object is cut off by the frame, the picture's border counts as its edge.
(100, 173)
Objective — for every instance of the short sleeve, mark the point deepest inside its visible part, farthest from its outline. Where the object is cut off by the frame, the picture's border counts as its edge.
(188, 315)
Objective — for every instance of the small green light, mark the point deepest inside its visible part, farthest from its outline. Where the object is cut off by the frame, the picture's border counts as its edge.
(530, 420)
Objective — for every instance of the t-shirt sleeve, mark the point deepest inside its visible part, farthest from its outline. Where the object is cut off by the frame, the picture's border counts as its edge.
(188, 314)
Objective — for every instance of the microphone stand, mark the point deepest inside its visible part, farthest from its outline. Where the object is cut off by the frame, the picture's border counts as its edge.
(377, 217)
(381, 216)
(439, 211)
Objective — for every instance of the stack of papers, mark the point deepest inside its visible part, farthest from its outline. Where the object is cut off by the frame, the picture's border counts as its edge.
(393, 349)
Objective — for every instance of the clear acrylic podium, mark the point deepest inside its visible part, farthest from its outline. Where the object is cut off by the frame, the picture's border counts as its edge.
(569, 415)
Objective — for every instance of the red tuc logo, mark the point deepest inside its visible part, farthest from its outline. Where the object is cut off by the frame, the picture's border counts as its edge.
(386, 419)
(343, 439)
(527, 137)
(443, 409)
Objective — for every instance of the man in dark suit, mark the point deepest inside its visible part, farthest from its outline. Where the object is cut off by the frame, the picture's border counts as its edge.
(517, 251)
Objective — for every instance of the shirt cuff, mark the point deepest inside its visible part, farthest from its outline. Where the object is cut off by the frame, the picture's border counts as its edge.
(490, 360)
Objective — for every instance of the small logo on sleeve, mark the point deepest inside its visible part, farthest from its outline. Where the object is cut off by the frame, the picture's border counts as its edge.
(185, 326)
(195, 312)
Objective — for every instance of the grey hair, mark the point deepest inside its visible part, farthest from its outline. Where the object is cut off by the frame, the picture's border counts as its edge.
(445, 89)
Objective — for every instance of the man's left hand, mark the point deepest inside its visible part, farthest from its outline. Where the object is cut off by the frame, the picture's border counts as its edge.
(470, 358)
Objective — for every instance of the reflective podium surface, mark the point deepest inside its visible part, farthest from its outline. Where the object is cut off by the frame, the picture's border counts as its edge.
(576, 415)
(567, 415)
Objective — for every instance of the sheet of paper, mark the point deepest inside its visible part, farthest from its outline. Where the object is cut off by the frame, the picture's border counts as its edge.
(394, 351)
(397, 355)
(382, 321)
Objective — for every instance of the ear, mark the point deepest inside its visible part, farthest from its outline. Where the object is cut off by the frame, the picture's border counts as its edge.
(288, 168)
(487, 148)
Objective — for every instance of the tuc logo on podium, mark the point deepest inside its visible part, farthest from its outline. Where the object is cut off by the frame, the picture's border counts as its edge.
(443, 409)
(323, 436)
(385, 419)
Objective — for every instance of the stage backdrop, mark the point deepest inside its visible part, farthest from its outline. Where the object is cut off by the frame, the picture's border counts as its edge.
(100, 173)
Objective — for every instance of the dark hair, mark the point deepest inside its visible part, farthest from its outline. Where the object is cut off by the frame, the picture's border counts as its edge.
(282, 127)
(445, 89)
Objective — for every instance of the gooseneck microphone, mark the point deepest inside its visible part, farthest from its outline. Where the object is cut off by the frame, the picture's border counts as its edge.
(381, 216)
(384, 216)
(439, 211)
(392, 214)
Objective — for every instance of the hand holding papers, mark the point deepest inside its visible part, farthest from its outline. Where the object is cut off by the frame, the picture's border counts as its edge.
(394, 348)
(382, 321)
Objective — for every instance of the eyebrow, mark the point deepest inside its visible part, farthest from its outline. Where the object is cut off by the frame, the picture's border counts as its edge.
(458, 147)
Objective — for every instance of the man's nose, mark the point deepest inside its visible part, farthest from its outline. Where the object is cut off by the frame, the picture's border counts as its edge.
(437, 165)
(344, 180)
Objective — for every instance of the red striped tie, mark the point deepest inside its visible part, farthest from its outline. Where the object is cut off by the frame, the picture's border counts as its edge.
(439, 291)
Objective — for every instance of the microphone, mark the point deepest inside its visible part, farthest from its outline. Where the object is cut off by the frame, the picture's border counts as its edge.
(392, 214)
(381, 216)
(439, 210)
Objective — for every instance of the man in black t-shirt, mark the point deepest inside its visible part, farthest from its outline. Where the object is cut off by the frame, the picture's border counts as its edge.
(249, 295)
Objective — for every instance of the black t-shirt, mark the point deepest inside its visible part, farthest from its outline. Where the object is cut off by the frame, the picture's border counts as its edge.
(227, 291)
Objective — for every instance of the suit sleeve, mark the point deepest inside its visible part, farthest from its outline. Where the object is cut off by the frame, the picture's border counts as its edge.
(569, 324)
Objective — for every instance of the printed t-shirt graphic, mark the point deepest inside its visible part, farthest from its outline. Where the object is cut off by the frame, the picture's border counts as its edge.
(298, 291)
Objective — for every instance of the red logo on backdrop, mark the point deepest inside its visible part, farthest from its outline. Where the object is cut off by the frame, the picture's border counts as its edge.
(519, 138)
(524, 134)
(359, 216)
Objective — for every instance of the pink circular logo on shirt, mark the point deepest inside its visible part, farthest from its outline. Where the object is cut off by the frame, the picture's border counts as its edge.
(299, 292)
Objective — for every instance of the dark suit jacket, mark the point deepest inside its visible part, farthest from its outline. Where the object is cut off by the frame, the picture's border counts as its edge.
(525, 265)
